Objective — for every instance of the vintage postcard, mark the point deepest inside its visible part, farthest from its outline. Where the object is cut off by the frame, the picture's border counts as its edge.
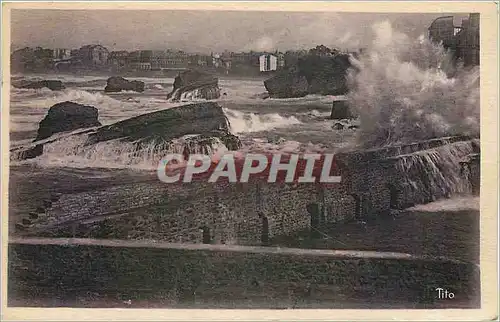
(259, 160)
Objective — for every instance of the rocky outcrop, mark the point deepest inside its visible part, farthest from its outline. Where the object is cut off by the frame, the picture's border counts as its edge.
(200, 128)
(202, 122)
(67, 116)
(118, 84)
(313, 74)
(341, 110)
(193, 84)
(55, 85)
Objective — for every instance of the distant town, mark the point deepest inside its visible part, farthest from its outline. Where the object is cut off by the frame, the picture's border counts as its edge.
(96, 57)
(462, 40)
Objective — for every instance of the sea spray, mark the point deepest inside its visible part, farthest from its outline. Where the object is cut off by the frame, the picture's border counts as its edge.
(406, 90)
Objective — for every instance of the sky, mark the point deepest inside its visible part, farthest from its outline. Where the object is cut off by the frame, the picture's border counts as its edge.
(205, 31)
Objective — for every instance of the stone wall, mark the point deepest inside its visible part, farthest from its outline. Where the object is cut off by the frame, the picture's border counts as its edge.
(80, 273)
(373, 182)
(402, 176)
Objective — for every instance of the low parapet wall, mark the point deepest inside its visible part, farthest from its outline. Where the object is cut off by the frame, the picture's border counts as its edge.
(373, 182)
(76, 273)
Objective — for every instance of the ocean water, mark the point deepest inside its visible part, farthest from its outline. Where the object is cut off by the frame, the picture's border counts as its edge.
(295, 125)
(405, 90)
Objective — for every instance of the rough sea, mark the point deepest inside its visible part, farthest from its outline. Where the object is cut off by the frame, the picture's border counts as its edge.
(294, 125)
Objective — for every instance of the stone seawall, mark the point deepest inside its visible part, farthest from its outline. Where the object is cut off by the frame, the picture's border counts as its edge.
(76, 273)
(373, 183)
(402, 176)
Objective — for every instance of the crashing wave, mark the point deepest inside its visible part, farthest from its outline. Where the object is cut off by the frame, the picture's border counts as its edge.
(403, 91)
(73, 151)
(250, 122)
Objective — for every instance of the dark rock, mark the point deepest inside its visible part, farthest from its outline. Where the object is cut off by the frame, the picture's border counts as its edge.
(26, 221)
(118, 84)
(287, 84)
(55, 85)
(325, 75)
(20, 227)
(30, 153)
(340, 110)
(196, 84)
(33, 215)
(338, 126)
(67, 116)
(206, 121)
(201, 118)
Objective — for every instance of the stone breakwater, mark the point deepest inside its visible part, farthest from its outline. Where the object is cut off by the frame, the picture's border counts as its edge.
(373, 183)
(105, 273)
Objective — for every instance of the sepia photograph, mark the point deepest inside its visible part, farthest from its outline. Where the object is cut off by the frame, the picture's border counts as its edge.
(247, 159)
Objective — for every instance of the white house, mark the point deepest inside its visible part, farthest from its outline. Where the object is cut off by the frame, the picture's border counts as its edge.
(216, 60)
(268, 62)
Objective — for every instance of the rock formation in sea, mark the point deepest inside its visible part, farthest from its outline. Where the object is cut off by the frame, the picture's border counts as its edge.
(194, 84)
(341, 110)
(67, 116)
(200, 128)
(118, 84)
(203, 122)
(55, 85)
(313, 74)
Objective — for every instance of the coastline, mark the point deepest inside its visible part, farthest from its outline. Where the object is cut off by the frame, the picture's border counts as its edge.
(130, 74)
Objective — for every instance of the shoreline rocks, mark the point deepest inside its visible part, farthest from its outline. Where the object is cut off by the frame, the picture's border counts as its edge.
(67, 116)
(118, 84)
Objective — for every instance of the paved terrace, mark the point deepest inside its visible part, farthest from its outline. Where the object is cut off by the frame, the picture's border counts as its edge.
(117, 273)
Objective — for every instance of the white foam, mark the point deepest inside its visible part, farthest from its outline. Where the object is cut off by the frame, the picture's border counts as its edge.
(251, 122)
(452, 204)
(71, 151)
(284, 146)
